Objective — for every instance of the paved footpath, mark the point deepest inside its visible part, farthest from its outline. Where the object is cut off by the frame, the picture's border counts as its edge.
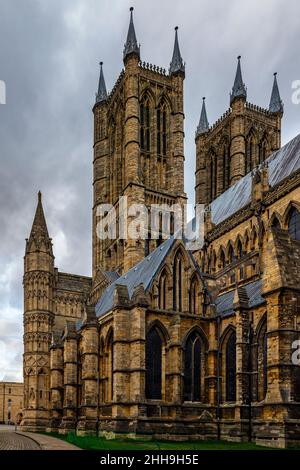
(11, 439)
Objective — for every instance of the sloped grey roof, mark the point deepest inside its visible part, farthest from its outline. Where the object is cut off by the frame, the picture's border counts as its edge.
(224, 303)
(236, 197)
(285, 161)
(143, 273)
(281, 163)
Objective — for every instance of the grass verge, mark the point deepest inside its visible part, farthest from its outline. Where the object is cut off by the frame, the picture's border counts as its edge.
(98, 443)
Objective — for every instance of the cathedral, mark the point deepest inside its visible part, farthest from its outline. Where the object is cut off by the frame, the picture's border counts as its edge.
(164, 341)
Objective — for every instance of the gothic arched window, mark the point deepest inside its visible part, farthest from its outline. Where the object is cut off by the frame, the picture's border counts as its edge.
(194, 290)
(263, 150)
(213, 175)
(231, 255)
(192, 368)
(222, 259)
(294, 224)
(145, 123)
(162, 292)
(177, 283)
(161, 124)
(213, 263)
(239, 250)
(9, 406)
(255, 240)
(231, 368)
(154, 346)
(276, 223)
(226, 168)
(250, 153)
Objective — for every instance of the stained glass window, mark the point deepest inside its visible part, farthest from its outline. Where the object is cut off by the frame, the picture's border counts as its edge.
(153, 364)
(294, 224)
(231, 368)
(192, 369)
(145, 124)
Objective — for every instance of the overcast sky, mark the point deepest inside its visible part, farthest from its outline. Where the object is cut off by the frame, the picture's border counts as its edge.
(49, 55)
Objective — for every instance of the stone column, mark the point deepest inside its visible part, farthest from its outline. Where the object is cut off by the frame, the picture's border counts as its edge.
(237, 148)
(100, 178)
(137, 345)
(212, 356)
(90, 374)
(243, 339)
(241, 305)
(177, 178)
(70, 379)
(134, 250)
(174, 392)
(201, 189)
(56, 383)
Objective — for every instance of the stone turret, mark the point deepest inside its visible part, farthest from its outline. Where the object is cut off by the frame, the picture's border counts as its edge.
(203, 125)
(276, 104)
(237, 150)
(101, 165)
(177, 73)
(133, 250)
(176, 65)
(239, 89)
(38, 321)
(131, 46)
(102, 93)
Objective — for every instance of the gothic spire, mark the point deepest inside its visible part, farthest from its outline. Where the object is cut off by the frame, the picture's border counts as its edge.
(131, 46)
(176, 64)
(203, 125)
(39, 235)
(239, 90)
(276, 104)
(102, 93)
(39, 226)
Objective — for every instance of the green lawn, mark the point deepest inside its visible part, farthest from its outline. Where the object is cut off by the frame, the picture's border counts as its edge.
(98, 443)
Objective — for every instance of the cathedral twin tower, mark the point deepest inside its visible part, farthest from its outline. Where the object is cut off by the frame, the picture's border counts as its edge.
(138, 146)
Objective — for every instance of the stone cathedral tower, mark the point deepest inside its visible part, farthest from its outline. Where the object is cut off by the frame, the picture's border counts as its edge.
(138, 150)
(241, 139)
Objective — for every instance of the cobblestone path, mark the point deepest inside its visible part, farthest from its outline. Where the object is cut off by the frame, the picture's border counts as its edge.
(12, 441)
